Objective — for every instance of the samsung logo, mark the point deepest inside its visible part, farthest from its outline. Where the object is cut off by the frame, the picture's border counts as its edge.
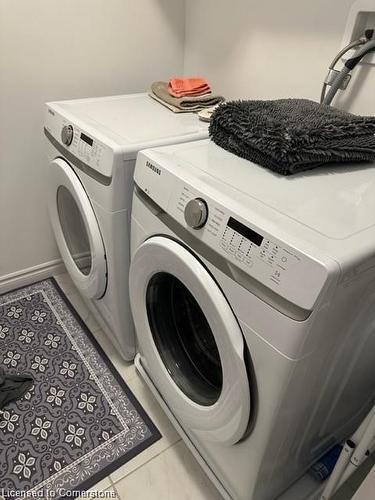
(153, 168)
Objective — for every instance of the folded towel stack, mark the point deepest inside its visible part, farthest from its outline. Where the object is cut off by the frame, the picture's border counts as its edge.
(183, 104)
(292, 135)
(184, 87)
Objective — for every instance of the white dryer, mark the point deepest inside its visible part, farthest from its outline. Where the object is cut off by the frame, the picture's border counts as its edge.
(253, 297)
(92, 147)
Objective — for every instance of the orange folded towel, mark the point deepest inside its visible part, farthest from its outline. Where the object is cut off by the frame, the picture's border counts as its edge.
(182, 87)
(191, 93)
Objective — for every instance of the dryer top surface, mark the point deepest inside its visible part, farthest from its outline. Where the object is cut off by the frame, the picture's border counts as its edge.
(132, 122)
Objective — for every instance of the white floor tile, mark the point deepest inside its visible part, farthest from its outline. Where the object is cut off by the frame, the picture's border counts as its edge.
(367, 489)
(168, 432)
(358, 477)
(114, 494)
(174, 474)
(344, 493)
(125, 368)
(103, 485)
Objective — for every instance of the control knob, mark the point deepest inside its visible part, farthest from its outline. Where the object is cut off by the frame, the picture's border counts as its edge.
(67, 135)
(196, 213)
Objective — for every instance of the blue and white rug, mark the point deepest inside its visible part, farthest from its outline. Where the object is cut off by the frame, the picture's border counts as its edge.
(79, 421)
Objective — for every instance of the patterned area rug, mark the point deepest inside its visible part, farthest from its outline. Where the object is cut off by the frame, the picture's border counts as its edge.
(79, 421)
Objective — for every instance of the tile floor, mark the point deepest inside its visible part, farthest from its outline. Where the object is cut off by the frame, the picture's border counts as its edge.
(166, 470)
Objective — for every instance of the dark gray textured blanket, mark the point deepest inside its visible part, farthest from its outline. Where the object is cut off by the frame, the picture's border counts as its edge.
(292, 135)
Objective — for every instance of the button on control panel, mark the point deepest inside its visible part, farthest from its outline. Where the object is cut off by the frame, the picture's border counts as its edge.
(83, 146)
(255, 250)
(266, 259)
(67, 135)
(212, 218)
(196, 213)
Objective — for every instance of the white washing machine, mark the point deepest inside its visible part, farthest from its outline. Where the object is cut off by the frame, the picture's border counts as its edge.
(92, 147)
(253, 297)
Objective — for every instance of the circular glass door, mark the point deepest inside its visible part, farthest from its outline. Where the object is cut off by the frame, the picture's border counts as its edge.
(184, 339)
(73, 227)
(190, 340)
(76, 230)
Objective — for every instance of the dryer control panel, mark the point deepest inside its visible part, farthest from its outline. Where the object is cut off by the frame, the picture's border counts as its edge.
(80, 142)
(85, 147)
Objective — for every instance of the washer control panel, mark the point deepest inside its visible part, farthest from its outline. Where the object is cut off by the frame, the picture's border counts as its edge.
(231, 232)
(278, 266)
(253, 249)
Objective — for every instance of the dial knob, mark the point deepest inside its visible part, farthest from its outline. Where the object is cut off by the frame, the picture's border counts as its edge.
(196, 213)
(67, 135)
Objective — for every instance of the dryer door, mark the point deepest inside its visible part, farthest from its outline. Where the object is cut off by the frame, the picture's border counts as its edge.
(76, 230)
(190, 339)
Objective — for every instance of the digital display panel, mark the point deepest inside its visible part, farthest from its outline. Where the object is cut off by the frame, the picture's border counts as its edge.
(87, 140)
(245, 231)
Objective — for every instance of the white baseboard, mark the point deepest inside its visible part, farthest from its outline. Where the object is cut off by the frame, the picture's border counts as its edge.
(28, 276)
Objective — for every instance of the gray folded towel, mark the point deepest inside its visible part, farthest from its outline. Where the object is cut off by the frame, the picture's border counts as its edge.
(13, 387)
(159, 91)
(292, 135)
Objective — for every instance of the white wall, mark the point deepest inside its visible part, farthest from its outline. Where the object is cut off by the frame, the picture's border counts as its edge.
(53, 50)
(271, 49)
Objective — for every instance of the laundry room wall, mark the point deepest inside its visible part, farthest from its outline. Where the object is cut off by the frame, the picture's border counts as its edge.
(272, 49)
(53, 50)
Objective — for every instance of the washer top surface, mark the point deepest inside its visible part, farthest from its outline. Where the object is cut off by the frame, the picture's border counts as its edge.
(132, 122)
(336, 201)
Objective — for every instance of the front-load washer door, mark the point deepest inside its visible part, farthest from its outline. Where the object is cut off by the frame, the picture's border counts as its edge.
(76, 230)
(190, 339)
